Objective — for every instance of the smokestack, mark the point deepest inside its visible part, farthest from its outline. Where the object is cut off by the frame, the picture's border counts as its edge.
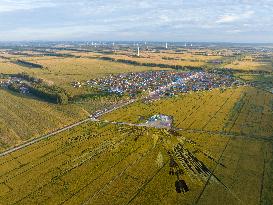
(138, 53)
(166, 45)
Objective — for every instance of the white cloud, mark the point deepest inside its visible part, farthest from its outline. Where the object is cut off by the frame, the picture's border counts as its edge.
(15, 5)
(230, 18)
(63, 19)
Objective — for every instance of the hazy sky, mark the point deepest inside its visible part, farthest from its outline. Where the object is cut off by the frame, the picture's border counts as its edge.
(159, 20)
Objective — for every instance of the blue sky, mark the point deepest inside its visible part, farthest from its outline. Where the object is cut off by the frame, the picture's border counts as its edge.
(161, 20)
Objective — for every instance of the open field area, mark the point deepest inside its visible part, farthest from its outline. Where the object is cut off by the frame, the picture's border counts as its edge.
(23, 117)
(136, 102)
(250, 65)
(9, 68)
(63, 71)
(242, 110)
(190, 57)
(97, 124)
(100, 163)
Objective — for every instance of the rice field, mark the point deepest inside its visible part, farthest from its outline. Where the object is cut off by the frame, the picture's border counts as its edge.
(102, 163)
(66, 70)
(250, 65)
(23, 117)
(243, 110)
(218, 152)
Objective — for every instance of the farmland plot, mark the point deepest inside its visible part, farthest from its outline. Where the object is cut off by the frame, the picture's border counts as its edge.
(102, 163)
(23, 117)
(242, 110)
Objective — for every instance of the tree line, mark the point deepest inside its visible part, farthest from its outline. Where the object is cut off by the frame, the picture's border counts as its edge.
(36, 86)
(28, 64)
(160, 65)
(180, 67)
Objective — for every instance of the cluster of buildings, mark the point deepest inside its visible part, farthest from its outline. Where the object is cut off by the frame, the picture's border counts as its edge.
(19, 83)
(170, 82)
(160, 121)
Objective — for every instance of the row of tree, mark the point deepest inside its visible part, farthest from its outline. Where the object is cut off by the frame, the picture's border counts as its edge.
(36, 86)
(28, 64)
(52, 94)
(180, 67)
(160, 65)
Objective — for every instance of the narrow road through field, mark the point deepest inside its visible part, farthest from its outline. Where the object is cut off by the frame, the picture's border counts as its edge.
(43, 137)
(91, 118)
(94, 117)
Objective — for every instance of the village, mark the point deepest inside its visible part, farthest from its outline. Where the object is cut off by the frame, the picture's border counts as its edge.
(163, 82)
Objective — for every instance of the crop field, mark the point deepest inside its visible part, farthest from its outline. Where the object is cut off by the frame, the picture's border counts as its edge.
(242, 110)
(79, 69)
(6, 67)
(250, 65)
(166, 57)
(100, 163)
(23, 117)
(63, 71)
(143, 59)
(218, 149)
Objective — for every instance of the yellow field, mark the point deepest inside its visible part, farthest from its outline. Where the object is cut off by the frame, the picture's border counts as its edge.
(26, 118)
(63, 71)
(99, 163)
(23, 118)
(223, 151)
(7, 67)
(161, 58)
(243, 110)
(250, 65)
